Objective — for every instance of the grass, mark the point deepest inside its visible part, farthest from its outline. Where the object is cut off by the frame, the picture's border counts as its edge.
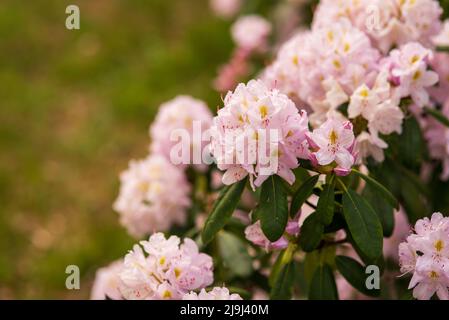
(75, 108)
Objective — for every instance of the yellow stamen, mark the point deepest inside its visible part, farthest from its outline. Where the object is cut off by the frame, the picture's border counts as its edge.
(439, 245)
(417, 75)
(167, 294)
(333, 137)
(263, 111)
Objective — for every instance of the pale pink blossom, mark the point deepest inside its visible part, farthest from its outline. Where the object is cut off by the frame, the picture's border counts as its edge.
(153, 196)
(388, 23)
(437, 136)
(442, 39)
(368, 145)
(107, 282)
(334, 144)
(259, 132)
(254, 234)
(165, 269)
(217, 293)
(402, 229)
(386, 118)
(409, 71)
(230, 73)
(440, 64)
(325, 66)
(176, 133)
(426, 254)
(251, 33)
(225, 8)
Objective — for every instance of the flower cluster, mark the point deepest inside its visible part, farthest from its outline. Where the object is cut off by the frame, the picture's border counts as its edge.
(254, 234)
(225, 8)
(168, 270)
(154, 194)
(426, 254)
(331, 62)
(388, 23)
(216, 293)
(250, 33)
(259, 132)
(409, 72)
(182, 118)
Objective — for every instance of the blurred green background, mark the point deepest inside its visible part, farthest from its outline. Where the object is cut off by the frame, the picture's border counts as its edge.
(75, 106)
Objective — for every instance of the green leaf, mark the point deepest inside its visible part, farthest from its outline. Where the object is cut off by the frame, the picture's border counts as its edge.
(379, 188)
(316, 258)
(384, 210)
(234, 254)
(273, 208)
(323, 285)
(363, 224)
(311, 233)
(355, 274)
(411, 144)
(283, 285)
(222, 211)
(437, 115)
(325, 206)
(302, 194)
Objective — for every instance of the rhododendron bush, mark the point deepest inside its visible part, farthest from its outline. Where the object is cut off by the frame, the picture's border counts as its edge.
(323, 174)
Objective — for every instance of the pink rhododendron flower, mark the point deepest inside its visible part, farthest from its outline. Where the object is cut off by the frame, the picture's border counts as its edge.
(426, 254)
(230, 73)
(401, 230)
(283, 73)
(442, 39)
(153, 196)
(164, 269)
(259, 133)
(437, 136)
(182, 118)
(388, 23)
(251, 33)
(254, 234)
(217, 293)
(440, 64)
(107, 282)
(334, 144)
(332, 62)
(225, 8)
(368, 145)
(408, 66)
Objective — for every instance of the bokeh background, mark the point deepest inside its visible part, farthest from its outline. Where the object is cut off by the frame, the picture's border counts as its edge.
(75, 106)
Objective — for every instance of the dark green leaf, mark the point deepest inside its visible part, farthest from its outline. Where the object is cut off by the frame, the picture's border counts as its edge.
(273, 208)
(411, 144)
(323, 285)
(303, 193)
(363, 224)
(311, 233)
(325, 206)
(222, 211)
(379, 188)
(234, 254)
(437, 115)
(384, 210)
(283, 285)
(355, 274)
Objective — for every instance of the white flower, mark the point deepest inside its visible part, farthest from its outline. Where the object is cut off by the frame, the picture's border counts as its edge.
(386, 118)
(368, 145)
(153, 196)
(167, 269)
(251, 32)
(216, 293)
